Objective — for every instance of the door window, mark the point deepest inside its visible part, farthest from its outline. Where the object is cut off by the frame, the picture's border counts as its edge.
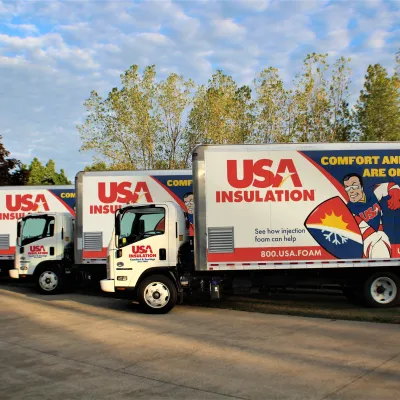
(36, 228)
(141, 223)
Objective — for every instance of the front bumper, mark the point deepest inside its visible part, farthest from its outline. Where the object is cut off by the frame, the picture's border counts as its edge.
(107, 285)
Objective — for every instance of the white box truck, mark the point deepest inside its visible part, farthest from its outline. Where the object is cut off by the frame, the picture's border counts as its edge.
(55, 246)
(270, 216)
(18, 201)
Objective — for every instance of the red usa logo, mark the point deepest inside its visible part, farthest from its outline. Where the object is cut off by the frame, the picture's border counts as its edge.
(26, 203)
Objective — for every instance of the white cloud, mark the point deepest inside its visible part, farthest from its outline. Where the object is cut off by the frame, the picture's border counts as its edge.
(155, 38)
(377, 39)
(372, 3)
(336, 41)
(48, 49)
(256, 5)
(228, 28)
(29, 28)
(15, 61)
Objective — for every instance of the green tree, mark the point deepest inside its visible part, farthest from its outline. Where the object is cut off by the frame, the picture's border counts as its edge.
(378, 107)
(139, 126)
(97, 166)
(312, 100)
(102, 166)
(121, 128)
(173, 99)
(341, 119)
(221, 113)
(11, 169)
(274, 112)
(316, 110)
(45, 175)
(396, 76)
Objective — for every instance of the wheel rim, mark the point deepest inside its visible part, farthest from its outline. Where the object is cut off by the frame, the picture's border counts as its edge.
(48, 281)
(383, 290)
(156, 295)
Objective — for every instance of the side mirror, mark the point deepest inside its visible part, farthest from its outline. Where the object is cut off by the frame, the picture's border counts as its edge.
(117, 222)
(51, 230)
(19, 225)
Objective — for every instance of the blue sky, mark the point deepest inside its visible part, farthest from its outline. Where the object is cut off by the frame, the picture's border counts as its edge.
(53, 53)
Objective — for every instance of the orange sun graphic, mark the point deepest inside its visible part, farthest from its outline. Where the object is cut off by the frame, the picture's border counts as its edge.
(334, 221)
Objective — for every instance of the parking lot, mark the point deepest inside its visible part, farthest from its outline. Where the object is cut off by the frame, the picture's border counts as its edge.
(82, 347)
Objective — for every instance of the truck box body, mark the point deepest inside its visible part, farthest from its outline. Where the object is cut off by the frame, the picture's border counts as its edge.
(100, 194)
(296, 206)
(17, 201)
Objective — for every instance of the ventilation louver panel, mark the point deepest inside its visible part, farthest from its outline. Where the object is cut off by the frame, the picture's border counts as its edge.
(4, 242)
(93, 241)
(220, 240)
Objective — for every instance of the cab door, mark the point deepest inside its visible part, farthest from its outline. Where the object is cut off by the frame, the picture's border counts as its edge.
(143, 243)
(36, 242)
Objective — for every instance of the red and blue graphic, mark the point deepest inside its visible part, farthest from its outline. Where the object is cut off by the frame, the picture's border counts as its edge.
(374, 176)
(180, 188)
(335, 229)
(67, 197)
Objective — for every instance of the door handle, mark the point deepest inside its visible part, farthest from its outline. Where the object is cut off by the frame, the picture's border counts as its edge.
(162, 254)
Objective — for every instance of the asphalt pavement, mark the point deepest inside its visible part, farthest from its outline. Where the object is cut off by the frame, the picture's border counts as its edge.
(77, 346)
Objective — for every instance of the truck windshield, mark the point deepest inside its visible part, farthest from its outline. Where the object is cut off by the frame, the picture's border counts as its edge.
(141, 223)
(36, 228)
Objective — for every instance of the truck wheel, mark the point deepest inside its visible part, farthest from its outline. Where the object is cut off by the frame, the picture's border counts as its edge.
(382, 290)
(157, 294)
(50, 280)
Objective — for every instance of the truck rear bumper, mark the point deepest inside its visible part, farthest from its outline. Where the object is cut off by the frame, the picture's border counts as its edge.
(107, 285)
(14, 273)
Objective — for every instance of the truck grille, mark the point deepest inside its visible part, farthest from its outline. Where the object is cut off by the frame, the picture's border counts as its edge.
(4, 242)
(93, 241)
(220, 240)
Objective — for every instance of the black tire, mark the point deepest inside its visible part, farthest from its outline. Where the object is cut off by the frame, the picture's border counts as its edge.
(50, 280)
(382, 290)
(166, 290)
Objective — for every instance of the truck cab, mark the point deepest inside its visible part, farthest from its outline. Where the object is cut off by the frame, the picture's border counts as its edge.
(44, 250)
(143, 254)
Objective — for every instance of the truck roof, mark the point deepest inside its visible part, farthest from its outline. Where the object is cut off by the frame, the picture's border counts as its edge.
(40, 214)
(136, 173)
(28, 188)
(299, 146)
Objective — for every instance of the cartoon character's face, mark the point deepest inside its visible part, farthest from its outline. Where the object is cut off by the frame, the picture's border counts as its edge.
(189, 203)
(354, 189)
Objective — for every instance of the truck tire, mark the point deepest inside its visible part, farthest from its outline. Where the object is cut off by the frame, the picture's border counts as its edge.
(49, 280)
(382, 290)
(157, 294)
